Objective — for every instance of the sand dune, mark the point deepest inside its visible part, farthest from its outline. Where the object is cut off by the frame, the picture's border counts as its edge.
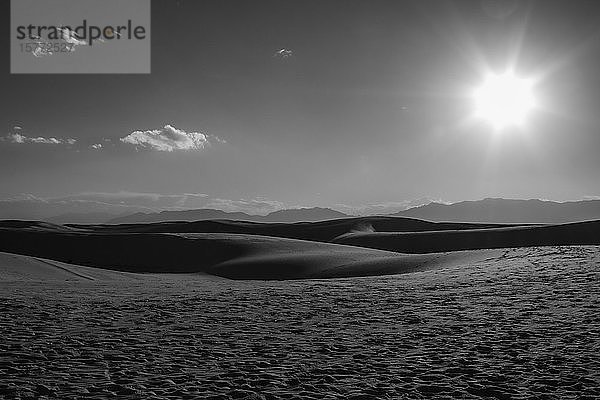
(234, 256)
(581, 233)
(266, 258)
(19, 268)
(523, 325)
(322, 231)
(15, 267)
(360, 246)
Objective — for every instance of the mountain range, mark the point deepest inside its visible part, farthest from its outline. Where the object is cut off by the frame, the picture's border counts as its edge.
(490, 210)
(292, 215)
(507, 211)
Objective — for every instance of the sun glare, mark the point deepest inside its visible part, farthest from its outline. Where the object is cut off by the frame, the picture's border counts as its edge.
(504, 100)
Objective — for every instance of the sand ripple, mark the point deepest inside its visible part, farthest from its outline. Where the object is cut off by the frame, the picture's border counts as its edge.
(525, 325)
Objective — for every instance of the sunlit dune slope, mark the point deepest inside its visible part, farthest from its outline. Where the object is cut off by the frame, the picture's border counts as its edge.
(16, 267)
(357, 248)
(235, 256)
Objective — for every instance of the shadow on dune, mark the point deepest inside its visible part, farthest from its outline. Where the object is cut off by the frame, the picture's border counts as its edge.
(235, 256)
(125, 252)
(580, 233)
(358, 246)
(321, 231)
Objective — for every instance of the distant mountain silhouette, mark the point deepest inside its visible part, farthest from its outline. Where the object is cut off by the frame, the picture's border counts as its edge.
(65, 210)
(186, 215)
(292, 215)
(303, 214)
(495, 210)
(82, 218)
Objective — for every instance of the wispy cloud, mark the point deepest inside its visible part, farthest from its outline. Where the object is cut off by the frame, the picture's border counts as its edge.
(42, 48)
(69, 36)
(168, 138)
(22, 139)
(283, 53)
(154, 201)
(250, 206)
(179, 201)
(29, 206)
(384, 208)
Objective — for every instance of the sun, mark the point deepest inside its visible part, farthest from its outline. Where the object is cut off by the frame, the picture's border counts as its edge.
(504, 100)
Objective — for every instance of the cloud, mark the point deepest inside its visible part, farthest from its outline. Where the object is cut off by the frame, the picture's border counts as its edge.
(17, 128)
(178, 201)
(168, 138)
(384, 208)
(96, 146)
(259, 205)
(71, 37)
(43, 47)
(21, 139)
(283, 53)
(29, 206)
(153, 201)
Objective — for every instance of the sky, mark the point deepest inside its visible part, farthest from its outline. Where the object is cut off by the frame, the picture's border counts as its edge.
(259, 105)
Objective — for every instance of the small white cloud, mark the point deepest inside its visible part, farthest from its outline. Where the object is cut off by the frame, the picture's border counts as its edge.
(96, 146)
(69, 36)
(14, 138)
(154, 201)
(43, 47)
(43, 140)
(169, 139)
(385, 208)
(17, 128)
(21, 139)
(283, 53)
(258, 205)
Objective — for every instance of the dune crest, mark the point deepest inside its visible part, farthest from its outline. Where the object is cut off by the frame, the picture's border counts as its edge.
(234, 256)
(250, 250)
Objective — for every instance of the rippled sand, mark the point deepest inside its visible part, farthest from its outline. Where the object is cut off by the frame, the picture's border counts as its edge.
(525, 324)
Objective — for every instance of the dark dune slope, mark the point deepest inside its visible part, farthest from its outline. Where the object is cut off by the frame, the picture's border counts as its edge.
(322, 231)
(360, 252)
(580, 233)
(125, 252)
(235, 256)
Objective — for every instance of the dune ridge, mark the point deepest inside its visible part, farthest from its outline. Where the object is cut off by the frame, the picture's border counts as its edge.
(234, 256)
(16, 267)
(579, 233)
(321, 231)
(248, 250)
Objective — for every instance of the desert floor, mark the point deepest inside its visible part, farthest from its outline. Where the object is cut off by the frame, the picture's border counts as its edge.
(524, 323)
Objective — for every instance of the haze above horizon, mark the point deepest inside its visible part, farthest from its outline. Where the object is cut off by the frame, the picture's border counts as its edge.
(263, 105)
